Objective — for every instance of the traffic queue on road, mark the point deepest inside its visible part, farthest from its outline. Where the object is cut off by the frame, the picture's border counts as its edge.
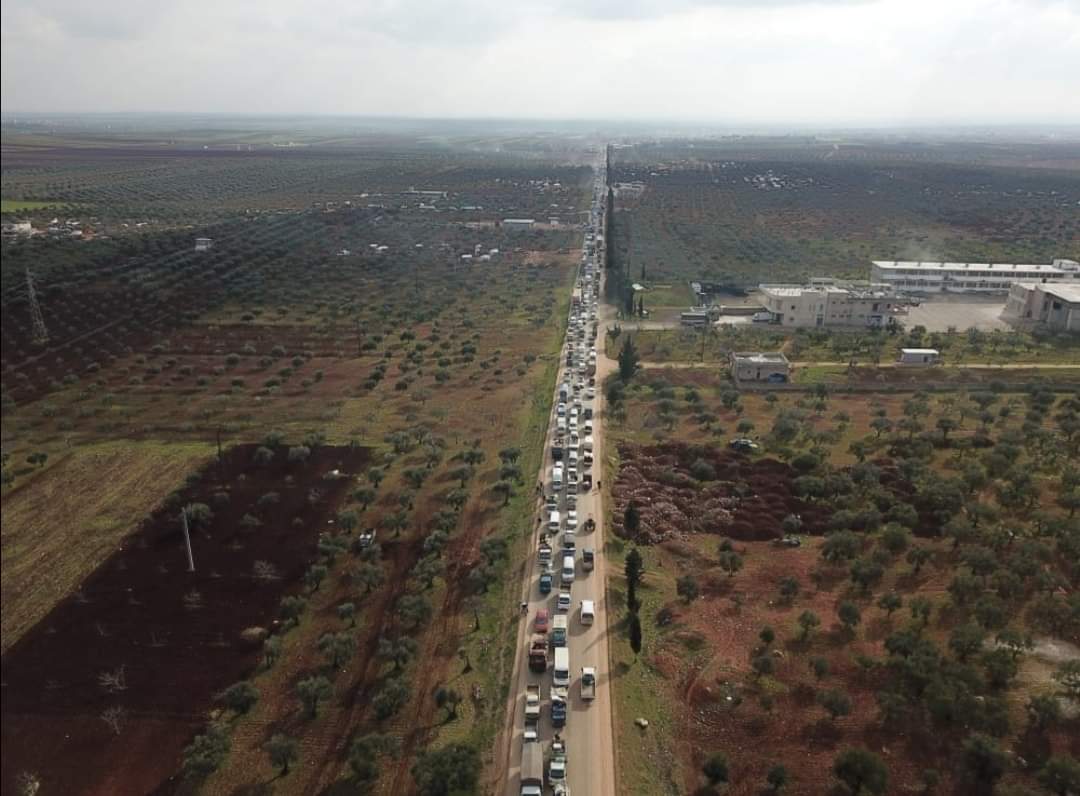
(570, 474)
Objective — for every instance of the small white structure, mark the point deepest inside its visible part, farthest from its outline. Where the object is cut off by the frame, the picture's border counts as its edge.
(758, 366)
(919, 356)
(518, 223)
(204, 244)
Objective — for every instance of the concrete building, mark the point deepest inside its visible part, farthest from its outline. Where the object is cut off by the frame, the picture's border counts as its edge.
(919, 356)
(204, 244)
(919, 277)
(827, 303)
(756, 366)
(1056, 307)
(518, 223)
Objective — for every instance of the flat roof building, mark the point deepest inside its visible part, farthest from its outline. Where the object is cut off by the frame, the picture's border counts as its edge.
(825, 302)
(761, 367)
(518, 223)
(1053, 306)
(919, 356)
(204, 244)
(927, 277)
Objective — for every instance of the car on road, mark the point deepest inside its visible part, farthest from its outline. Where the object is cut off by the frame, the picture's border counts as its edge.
(743, 445)
(571, 519)
(588, 612)
(542, 621)
(588, 559)
(545, 582)
(557, 764)
(590, 392)
(563, 603)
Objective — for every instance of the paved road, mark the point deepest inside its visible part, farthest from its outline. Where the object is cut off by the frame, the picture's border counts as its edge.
(588, 730)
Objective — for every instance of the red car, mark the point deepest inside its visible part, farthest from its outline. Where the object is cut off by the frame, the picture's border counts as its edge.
(540, 624)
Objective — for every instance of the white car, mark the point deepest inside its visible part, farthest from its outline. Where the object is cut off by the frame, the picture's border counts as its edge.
(563, 603)
(571, 519)
(590, 393)
(560, 410)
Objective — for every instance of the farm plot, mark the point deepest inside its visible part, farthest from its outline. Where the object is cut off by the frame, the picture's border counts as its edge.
(682, 489)
(746, 219)
(66, 519)
(760, 662)
(116, 677)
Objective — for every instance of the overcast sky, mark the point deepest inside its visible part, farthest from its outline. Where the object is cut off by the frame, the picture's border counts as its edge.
(878, 62)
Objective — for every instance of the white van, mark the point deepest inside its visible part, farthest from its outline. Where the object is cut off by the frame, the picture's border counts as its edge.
(588, 612)
(560, 674)
(554, 522)
(567, 574)
(556, 478)
(560, 425)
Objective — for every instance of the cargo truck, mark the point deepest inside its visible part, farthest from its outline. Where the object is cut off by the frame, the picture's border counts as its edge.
(532, 770)
(538, 653)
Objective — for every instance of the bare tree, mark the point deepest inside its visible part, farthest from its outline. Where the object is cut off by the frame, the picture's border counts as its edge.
(114, 682)
(115, 718)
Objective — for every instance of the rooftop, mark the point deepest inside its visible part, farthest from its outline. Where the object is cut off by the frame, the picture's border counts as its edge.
(1067, 293)
(855, 290)
(1005, 268)
(919, 351)
(760, 357)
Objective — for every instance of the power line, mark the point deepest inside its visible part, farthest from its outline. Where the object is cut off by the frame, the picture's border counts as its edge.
(40, 333)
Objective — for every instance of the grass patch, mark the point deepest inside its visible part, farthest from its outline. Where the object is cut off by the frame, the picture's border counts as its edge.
(62, 522)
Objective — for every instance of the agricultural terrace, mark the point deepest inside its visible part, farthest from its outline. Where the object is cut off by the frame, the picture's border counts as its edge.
(739, 213)
(403, 392)
(928, 613)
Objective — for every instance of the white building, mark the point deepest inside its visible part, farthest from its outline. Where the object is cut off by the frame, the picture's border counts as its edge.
(518, 223)
(827, 303)
(1040, 304)
(757, 366)
(919, 277)
(919, 356)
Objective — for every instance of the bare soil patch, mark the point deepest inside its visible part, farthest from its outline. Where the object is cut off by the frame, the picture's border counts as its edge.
(175, 635)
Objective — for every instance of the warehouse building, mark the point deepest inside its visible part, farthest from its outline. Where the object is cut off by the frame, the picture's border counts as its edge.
(825, 302)
(1054, 307)
(920, 277)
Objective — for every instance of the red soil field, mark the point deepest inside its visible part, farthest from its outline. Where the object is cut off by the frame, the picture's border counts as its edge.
(748, 500)
(137, 612)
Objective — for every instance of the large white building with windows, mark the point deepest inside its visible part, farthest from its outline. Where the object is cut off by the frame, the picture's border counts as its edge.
(919, 277)
(825, 302)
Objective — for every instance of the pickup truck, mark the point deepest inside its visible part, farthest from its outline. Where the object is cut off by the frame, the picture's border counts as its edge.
(588, 683)
(538, 654)
(558, 707)
(557, 765)
(532, 702)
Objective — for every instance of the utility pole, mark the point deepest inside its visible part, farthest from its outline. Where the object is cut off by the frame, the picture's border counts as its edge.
(187, 540)
(40, 333)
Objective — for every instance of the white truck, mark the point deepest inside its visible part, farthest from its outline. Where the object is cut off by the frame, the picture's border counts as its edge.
(532, 712)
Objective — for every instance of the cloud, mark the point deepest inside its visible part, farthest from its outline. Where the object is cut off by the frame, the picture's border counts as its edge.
(721, 61)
